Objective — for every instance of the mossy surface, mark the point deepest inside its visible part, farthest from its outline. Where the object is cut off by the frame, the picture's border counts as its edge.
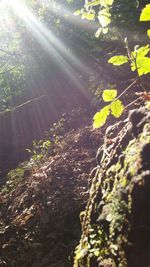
(112, 213)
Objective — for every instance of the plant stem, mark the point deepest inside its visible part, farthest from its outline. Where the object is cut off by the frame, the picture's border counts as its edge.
(133, 102)
(125, 90)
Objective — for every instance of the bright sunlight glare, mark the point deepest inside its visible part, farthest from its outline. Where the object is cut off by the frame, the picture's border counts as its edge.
(53, 45)
(19, 8)
(70, 65)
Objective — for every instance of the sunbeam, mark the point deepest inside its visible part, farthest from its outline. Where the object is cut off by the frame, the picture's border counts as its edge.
(57, 50)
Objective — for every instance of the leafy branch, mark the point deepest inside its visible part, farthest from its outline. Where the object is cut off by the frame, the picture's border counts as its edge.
(139, 62)
(116, 107)
(97, 9)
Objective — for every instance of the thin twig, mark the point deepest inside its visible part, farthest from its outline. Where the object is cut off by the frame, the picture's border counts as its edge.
(125, 90)
(133, 102)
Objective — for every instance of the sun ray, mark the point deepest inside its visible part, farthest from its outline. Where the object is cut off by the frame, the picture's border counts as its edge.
(57, 50)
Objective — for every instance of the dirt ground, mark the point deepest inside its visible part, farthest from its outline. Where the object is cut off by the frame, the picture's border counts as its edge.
(40, 224)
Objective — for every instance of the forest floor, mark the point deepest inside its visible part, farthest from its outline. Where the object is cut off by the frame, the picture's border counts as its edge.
(43, 201)
(40, 204)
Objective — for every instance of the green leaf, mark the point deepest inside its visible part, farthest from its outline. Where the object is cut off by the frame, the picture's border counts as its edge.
(142, 65)
(88, 16)
(46, 144)
(140, 62)
(117, 108)
(93, 3)
(77, 12)
(101, 117)
(109, 95)
(98, 32)
(105, 30)
(104, 17)
(141, 52)
(118, 60)
(103, 20)
(80, 254)
(104, 12)
(145, 15)
(148, 33)
(106, 3)
(92, 235)
(96, 252)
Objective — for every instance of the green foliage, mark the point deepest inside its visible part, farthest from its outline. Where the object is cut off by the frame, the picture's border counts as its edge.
(92, 245)
(88, 16)
(109, 95)
(148, 33)
(93, 3)
(115, 108)
(118, 60)
(142, 65)
(113, 188)
(14, 177)
(97, 239)
(84, 14)
(145, 15)
(77, 12)
(138, 60)
(101, 30)
(101, 117)
(103, 15)
(25, 66)
(27, 63)
(115, 13)
(40, 150)
(141, 52)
